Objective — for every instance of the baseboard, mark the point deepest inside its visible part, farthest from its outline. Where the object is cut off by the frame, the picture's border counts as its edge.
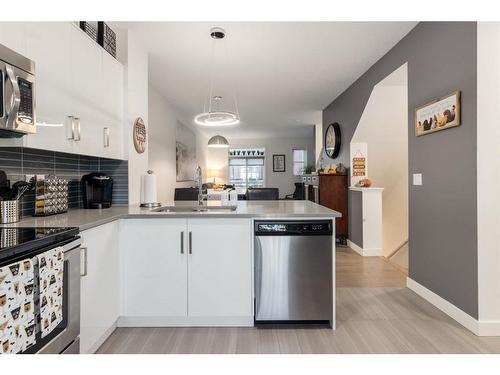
(355, 247)
(185, 321)
(489, 328)
(364, 252)
(484, 328)
(94, 348)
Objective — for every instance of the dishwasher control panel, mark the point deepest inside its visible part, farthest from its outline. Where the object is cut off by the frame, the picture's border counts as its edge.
(294, 228)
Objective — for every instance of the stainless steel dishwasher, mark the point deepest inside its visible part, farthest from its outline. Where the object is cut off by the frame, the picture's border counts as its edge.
(293, 270)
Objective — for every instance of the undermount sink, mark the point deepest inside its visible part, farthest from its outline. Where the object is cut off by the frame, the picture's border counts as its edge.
(195, 209)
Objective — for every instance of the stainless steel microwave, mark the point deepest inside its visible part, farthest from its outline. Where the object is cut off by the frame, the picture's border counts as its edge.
(17, 94)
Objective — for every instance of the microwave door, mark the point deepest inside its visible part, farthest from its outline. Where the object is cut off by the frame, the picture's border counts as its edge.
(23, 112)
(18, 100)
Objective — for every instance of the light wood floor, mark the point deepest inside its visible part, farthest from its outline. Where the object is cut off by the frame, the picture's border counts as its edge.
(354, 270)
(388, 318)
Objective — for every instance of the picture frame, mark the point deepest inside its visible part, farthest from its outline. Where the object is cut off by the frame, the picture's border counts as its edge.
(279, 163)
(440, 114)
(185, 153)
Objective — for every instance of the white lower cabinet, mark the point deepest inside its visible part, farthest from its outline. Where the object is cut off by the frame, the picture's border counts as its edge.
(154, 268)
(100, 299)
(186, 272)
(220, 268)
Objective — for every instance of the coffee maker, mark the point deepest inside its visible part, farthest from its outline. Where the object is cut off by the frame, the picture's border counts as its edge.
(97, 190)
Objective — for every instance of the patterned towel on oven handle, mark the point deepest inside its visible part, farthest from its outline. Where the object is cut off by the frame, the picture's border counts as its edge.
(50, 287)
(17, 305)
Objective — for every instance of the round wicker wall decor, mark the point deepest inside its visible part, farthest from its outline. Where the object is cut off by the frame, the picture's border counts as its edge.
(139, 135)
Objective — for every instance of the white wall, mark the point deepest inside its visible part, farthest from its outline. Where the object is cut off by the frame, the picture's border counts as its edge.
(163, 119)
(488, 175)
(383, 125)
(284, 181)
(318, 142)
(217, 162)
(135, 60)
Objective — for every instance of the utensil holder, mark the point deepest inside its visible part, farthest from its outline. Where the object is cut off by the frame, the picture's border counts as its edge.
(10, 211)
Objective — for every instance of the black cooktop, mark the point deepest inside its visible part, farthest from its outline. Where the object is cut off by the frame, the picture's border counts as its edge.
(17, 241)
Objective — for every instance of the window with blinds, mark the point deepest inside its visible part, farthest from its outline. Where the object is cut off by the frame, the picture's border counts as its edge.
(246, 169)
(299, 161)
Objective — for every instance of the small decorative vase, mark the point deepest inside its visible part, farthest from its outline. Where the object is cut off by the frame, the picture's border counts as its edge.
(341, 169)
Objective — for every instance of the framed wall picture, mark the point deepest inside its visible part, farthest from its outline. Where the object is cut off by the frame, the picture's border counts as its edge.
(442, 113)
(185, 153)
(359, 162)
(279, 163)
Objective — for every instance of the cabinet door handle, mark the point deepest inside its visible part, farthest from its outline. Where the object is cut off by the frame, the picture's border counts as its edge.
(71, 135)
(83, 271)
(77, 134)
(190, 243)
(106, 137)
(182, 242)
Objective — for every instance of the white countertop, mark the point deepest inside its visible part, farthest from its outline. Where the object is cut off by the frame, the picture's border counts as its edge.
(86, 219)
(374, 188)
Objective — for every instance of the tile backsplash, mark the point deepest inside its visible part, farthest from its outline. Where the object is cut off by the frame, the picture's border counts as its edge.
(19, 161)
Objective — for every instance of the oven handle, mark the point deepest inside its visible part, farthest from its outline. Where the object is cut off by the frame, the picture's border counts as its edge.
(83, 266)
(16, 98)
(71, 245)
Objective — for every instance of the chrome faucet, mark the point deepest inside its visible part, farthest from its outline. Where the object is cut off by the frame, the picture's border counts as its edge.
(198, 179)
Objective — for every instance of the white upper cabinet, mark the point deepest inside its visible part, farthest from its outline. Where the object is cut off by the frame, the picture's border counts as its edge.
(74, 77)
(53, 83)
(86, 79)
(112, 103)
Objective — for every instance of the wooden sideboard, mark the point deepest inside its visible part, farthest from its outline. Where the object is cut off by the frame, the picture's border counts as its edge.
(333, 191)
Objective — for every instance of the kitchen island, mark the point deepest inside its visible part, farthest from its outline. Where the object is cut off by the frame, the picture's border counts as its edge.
(87, 219)
(143, 268)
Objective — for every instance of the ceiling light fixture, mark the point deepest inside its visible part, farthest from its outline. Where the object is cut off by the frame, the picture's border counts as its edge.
(215, 116)
(218, 141)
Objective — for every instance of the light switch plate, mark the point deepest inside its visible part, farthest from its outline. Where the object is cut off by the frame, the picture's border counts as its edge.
(417, 179)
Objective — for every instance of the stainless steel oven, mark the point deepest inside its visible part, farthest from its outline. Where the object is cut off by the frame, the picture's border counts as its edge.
(17, 94)
(66, 339)
(17, 244)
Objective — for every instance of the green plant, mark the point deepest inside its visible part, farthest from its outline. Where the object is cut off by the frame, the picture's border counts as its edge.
(310, 169)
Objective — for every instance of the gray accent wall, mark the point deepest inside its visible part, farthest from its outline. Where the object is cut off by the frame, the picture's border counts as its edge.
(355, 207)
(441, 58)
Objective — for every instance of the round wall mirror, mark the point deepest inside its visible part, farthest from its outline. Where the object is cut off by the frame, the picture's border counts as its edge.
(332, 140)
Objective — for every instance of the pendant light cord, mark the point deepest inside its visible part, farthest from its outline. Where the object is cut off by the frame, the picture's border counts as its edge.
(234, 81)
(212, 69)
(213, 104)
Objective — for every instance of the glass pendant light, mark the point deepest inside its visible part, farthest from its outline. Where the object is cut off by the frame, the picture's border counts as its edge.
(218, 141)
(215, 116)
